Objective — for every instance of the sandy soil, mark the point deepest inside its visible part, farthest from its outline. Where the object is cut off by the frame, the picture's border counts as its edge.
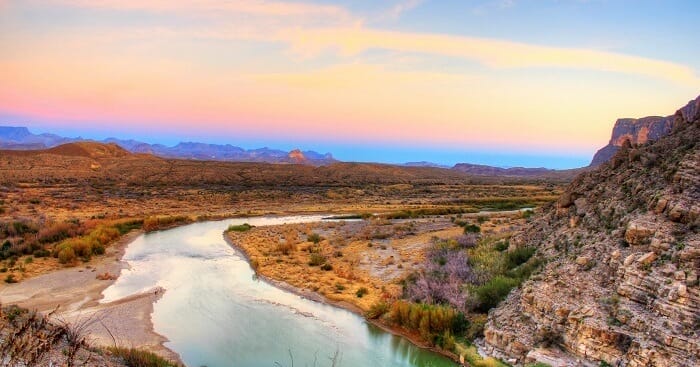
(75, 293)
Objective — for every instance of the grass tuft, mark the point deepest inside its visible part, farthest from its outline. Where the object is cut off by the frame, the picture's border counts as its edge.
(141, 358)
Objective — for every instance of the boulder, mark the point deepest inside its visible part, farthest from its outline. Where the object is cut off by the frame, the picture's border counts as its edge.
(647, 258)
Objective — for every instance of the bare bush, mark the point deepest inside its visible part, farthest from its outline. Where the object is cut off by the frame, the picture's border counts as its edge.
(28, 339)
(442, 279)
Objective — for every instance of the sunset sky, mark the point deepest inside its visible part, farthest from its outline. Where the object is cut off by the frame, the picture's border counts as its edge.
(503, 82)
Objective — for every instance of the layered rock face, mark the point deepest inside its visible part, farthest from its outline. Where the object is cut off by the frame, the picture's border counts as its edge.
(636, 131)
(623, 257)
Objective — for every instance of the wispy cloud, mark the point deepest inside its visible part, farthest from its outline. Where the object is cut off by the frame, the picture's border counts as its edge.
(310, 29)
(492, 5)
(226, 66)
(400, 8)
(490, 52)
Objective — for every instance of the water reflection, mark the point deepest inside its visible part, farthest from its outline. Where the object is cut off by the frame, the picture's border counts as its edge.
(216, 313)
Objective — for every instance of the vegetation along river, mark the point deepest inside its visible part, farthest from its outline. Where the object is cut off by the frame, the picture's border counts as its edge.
(215, 313)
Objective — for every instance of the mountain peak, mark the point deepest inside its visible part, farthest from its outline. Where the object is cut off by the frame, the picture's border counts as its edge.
(90, 149)
(14, 133)
(297, 156)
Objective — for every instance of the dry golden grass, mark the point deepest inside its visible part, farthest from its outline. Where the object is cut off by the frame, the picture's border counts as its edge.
(95, 185)
(345, 248)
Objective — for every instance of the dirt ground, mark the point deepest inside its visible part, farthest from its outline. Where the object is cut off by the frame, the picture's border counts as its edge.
(375, 255)
(75, 294)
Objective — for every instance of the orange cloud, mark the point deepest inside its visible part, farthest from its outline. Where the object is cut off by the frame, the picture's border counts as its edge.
(493, 53)
(135, 75)
(310, 28)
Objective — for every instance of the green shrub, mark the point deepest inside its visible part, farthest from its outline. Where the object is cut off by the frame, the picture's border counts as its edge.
(436, 323)
(474, 359)
(129, 225)
(19, 228)
(524, 271)
(155, 223)
(41, 253)
(93, 243)
(66, 255)
(286, 247)
(10, 278)
(494, 291)
(316, 259)
(486, 261)
(13, 312)
(314, 237)
(239, 228)
(519, 256)
(361, 292)
(140, 358)
(29, 260)
(472, 228)
(327, 267)
(377, 310)
(57, 232)
(475, 329)
(6, 250)
(98, 249)
(501, 246)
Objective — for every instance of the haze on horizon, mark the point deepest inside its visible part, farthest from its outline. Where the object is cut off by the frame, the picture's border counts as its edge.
(501, 82)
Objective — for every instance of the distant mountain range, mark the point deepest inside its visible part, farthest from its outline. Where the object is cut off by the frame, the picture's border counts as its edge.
(636, 131)
(521, 172)
(20, 138)
(425, 164)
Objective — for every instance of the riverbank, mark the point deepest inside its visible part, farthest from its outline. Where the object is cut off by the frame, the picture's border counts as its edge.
(75, 294)
(78, 292)
(317, 297)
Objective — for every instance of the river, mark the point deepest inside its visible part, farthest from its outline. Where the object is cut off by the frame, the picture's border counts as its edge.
(215, 313)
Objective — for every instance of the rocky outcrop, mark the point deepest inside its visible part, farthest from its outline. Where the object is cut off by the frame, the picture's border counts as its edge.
(636, 132)
(623, 257)
(296, 156)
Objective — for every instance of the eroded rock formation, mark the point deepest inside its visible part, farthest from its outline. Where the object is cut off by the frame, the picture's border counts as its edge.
(623, 255)
(635, 131)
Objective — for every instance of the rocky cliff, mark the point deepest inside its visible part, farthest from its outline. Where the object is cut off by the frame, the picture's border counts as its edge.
(622, 251)
(636, 131)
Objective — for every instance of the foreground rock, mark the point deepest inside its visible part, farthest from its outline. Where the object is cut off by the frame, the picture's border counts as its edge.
(623, 250)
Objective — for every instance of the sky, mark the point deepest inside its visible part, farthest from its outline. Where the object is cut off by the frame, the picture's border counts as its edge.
(502, 82)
